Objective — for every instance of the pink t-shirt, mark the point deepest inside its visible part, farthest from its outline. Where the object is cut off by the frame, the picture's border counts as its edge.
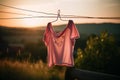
(60, 45)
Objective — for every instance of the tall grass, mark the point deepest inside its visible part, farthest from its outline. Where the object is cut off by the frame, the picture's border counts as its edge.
(16, 70)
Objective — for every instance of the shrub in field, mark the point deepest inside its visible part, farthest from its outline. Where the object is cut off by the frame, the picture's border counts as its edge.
(100, 54)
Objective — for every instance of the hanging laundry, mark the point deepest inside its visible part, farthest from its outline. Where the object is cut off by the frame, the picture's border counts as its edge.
(60, 46)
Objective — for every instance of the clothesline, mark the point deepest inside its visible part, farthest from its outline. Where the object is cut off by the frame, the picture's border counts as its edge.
(62, 16)
(65, 17)
(53, 15)
(6, 12)
(27, 10)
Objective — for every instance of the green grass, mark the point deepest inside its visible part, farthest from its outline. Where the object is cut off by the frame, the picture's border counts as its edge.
(15, 70)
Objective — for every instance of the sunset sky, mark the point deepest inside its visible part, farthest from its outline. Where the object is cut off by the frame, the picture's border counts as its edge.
(93, 8)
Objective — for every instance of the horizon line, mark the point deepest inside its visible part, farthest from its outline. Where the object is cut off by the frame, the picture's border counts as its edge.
(57, 25)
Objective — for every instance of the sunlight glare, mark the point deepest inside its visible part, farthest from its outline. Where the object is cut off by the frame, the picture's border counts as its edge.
(31, 22)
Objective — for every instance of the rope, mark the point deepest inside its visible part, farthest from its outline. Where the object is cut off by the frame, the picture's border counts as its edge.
(14, 13)
(117, 18)
(57, 15)
(27, 10)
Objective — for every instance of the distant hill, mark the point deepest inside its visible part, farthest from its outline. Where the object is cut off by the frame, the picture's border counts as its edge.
(97, 28)
(18, 35)
(34, 34)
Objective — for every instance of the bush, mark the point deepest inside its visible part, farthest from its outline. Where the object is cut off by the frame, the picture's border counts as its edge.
(100, 54)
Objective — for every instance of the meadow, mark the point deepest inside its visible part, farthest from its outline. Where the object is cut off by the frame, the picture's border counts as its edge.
(23, 53)
(16, 70)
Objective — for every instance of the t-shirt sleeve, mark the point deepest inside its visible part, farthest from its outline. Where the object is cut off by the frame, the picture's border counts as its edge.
(46, 35)
(74, 31)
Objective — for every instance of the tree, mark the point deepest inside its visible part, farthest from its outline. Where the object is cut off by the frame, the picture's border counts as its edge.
(100, 54)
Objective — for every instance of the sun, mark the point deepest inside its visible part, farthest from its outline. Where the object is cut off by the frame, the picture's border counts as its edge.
(32, 22)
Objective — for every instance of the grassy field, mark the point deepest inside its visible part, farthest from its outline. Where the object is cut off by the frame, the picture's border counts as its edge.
(29, 61)
(16, 70)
